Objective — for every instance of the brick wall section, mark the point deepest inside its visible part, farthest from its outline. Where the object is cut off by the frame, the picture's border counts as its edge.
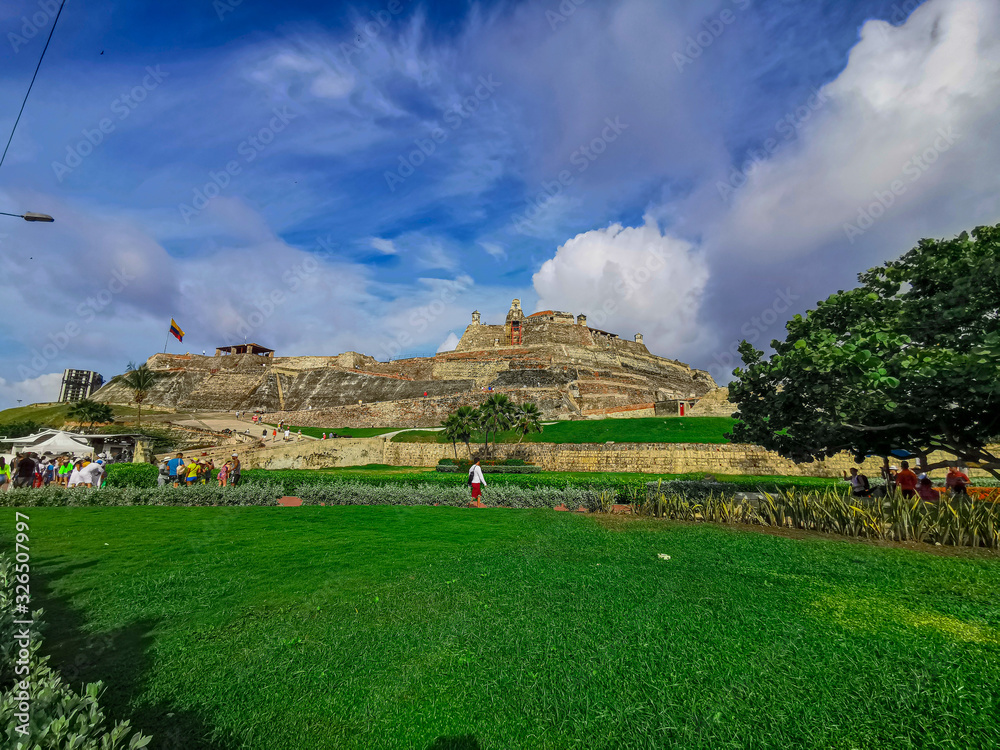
(654, 458)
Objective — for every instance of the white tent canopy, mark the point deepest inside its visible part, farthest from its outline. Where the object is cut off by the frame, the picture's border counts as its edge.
(62, 443)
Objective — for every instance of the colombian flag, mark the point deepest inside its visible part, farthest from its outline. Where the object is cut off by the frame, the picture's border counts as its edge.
(176, 330)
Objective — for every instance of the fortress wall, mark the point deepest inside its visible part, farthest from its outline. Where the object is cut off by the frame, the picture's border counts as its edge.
(480, 337)
(649, 458)
(542, 332)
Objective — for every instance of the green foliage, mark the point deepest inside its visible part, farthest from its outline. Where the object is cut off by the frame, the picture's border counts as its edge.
(131, 475)
(643, 430)
(910, 359)
(140, 380)
(90, 412)
(59, 717)
(19, 429)
(499, 469)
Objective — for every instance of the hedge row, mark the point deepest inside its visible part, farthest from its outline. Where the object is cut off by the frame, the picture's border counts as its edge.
(341, 493)
(57, 717)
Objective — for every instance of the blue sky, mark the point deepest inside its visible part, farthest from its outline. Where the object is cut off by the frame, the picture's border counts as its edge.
(324, 177)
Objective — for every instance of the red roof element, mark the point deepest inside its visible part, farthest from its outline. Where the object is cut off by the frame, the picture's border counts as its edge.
(543, 312)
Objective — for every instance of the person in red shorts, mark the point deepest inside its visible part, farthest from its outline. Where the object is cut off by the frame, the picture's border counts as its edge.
(476, 480)
(906, 480)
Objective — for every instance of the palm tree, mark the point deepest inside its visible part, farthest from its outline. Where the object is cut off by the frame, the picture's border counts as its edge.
(140, 381)
(526, 419)
(495, 414)
(450, 426)
(466, 421)
(91, 412)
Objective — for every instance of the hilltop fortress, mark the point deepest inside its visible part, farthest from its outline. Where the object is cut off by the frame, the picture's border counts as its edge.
(571, 371)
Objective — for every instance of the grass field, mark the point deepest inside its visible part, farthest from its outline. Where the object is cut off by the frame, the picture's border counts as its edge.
(396, 627)
(351, 432)
(51, 415)
(645, 430)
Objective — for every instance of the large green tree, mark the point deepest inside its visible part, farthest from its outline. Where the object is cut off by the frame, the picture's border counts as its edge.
(527, 419)
(908, 360)
(460, 425)
(90, 412)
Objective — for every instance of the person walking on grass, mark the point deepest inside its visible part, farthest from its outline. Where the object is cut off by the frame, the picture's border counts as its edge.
(476, 480)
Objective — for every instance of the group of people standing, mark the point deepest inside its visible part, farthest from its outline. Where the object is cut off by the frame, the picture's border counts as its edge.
(29, 470)
(183, 473)
(908, 482)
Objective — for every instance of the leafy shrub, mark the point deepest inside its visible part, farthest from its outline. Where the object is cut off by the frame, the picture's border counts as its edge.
(446, 462)
(132, 475)
(59, 717)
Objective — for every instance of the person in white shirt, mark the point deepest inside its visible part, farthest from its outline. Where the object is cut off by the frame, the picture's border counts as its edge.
(476, 480)
(93, 474)
(75, 480)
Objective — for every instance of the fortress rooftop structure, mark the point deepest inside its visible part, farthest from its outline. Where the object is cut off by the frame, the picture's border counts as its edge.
(262, 351)
(544, 328)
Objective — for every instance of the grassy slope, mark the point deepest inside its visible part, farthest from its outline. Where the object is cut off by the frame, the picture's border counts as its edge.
(386, 627)
(51, 415)
(646, 430)
(351, 432)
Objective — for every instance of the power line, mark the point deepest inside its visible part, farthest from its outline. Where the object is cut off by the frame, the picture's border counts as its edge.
(51, 31)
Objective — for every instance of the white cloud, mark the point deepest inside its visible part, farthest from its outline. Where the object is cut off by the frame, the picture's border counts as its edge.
(628, 280)
(494, 250)
(449, 344)
(916, 104)
(44, 388)
(386, 247)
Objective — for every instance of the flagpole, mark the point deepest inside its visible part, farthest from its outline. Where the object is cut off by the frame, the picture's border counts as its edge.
(165, 342)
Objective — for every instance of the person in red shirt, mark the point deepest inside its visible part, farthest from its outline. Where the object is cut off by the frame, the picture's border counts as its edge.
(926, 490)
(955, 476)
(906, 480)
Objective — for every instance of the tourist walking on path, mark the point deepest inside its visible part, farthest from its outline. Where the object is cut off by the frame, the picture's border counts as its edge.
(224, 473)
(4, 475)
(476, 480)
(24, 471)
(163, 475)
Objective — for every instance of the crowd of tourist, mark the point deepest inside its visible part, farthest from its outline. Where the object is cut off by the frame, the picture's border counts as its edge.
(179, 472)
(908, 482)
(28, 470)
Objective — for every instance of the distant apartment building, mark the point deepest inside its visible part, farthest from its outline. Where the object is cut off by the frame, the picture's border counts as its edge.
(79, 384)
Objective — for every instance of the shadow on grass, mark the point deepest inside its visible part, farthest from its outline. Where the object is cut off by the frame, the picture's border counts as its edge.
(119, 658)
(465, 742)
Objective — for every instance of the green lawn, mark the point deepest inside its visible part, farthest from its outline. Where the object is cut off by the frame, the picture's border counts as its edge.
(51, 415)
(351, 432)
(403, 627)
(645, 430)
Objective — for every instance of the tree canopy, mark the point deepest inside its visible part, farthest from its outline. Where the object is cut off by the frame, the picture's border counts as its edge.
(910, 360)
(87, 411)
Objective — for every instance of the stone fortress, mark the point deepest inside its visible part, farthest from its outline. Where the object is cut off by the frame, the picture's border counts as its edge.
(570, 370)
